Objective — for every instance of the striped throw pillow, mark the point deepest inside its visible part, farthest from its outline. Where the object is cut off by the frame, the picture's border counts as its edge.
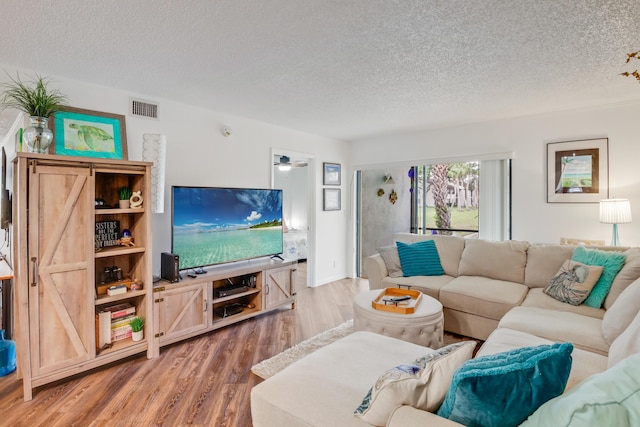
(420, 259)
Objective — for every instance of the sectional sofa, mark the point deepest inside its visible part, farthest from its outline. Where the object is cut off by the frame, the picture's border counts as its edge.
(492, 291)
(485, 280)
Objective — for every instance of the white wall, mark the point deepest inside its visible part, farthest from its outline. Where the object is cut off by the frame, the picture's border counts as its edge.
(533, 219)
(198, 154)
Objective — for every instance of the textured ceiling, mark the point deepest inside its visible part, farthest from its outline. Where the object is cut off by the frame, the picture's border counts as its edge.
(346, 69)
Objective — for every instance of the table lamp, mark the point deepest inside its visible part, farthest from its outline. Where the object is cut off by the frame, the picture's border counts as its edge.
(615, 211)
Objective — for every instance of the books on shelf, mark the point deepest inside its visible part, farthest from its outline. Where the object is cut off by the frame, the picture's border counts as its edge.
(120, 310)
(103, 330)
(120, 322)
(112, 323)
(121, 333)
(116, 290)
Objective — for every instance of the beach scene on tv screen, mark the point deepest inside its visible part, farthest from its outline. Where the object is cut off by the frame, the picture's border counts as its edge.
(216, 225)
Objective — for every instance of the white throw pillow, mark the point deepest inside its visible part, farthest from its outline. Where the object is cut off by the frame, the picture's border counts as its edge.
(422, 383)
(391, 260)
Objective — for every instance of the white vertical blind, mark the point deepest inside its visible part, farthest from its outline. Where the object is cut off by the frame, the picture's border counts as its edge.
(494, 220)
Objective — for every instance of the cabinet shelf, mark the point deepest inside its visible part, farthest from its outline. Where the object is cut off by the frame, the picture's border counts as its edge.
(125, 344)
(106, 299)
(235, 296)
(119, 250)
(112, 211)
(244, 314)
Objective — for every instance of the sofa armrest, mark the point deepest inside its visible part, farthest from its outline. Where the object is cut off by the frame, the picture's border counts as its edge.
(376, 271)
(405, 415)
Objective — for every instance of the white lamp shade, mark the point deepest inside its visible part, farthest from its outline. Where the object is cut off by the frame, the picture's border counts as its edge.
(615, 211)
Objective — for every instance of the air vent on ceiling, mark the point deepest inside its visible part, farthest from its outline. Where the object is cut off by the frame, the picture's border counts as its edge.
(145, 109)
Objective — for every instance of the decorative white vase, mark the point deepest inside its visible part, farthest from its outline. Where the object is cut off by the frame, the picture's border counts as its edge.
(124, 204)
(137, 336)
(38, 136)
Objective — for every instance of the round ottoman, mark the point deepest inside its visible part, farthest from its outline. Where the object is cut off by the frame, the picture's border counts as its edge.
(423, 327)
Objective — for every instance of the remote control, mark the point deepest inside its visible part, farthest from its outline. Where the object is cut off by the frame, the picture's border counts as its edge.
(398, 299)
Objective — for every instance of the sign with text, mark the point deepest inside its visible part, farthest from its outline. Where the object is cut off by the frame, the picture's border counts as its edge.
(107, 234)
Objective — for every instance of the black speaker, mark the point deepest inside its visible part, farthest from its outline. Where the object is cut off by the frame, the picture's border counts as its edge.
(170, 267)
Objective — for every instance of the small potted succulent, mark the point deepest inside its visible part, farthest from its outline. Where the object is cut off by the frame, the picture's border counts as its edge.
(39, 102)
(137, 326)
(124, 194)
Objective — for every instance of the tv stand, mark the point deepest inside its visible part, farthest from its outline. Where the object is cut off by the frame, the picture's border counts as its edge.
(222, 296)
(278, 257)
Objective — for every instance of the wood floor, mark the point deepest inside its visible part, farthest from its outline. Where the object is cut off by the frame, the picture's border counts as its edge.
(204, 381)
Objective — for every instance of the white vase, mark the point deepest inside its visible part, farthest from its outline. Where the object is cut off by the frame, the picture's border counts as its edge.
(137, 336)
(124, 204)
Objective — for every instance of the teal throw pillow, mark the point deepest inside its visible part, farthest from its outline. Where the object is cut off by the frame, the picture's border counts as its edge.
(420, 259)
(611, 261)
(610, 398)
(503, 389)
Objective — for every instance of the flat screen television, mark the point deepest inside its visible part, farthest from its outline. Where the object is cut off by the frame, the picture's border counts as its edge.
(211, 225)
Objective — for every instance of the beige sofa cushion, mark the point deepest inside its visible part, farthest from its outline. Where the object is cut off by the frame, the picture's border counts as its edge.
(496, 260)
(429, 285)
(482, 296)
(630, 272)
(543, 262)
(622, 312)
(627, 343)
(537, 298)
(324, 388)
(449, 249)
(404, 416)
(558, 326)
(585, 363)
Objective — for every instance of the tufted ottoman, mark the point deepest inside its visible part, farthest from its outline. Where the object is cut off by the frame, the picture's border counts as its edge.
(423, 327)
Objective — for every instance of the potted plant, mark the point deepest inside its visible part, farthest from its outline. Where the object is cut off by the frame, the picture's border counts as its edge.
(137, 325)
(124, 194)
(39, 102)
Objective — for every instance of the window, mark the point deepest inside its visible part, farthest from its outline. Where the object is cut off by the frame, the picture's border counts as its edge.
(469, 199)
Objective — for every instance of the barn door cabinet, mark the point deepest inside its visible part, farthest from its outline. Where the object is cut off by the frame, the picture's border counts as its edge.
(58, 267)
(181, 311)
(280, 287)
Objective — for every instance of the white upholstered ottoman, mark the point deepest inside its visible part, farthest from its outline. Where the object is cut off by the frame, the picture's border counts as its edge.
(423, 327)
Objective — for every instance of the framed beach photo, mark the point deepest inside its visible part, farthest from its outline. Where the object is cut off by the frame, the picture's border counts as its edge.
(88, 133)
(578, 171)
(331, 198)
(331, 174)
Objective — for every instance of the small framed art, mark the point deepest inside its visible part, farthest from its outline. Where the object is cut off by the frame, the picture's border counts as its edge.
(88, 133)
(331, 199)
(331, 174)
(578, 171)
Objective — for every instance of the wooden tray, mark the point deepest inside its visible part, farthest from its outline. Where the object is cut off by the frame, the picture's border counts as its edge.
(404, 307)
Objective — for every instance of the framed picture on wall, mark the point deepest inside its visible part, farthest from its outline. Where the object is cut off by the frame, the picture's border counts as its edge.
(331, 197)
(578, 171)
(88, 133)
(331, 174)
